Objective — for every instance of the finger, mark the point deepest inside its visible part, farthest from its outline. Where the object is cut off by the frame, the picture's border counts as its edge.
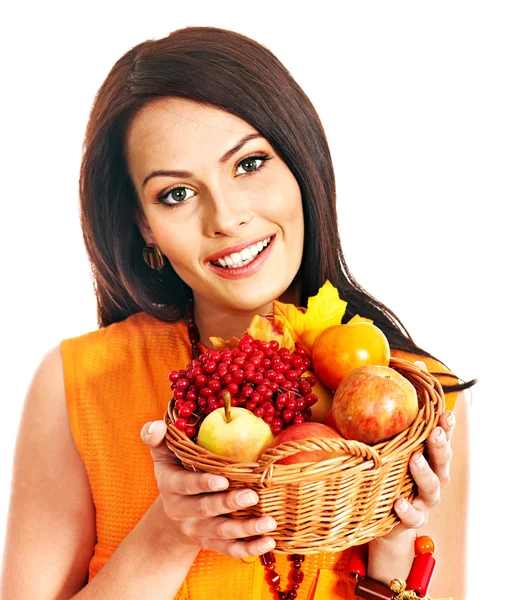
(225, 528)
(447, 422)
(421, 365)
(209, 505)
(429, 488)
(153, 435)
(238, 548)
(410, 516)
(175, 481)
(440, 455)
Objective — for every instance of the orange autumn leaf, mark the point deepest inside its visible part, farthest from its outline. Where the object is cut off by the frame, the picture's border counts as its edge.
(263, 329)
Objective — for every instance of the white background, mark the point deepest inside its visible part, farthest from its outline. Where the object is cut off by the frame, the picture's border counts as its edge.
(412, 99)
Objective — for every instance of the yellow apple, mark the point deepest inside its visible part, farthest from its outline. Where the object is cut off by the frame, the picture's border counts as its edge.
(243, 438)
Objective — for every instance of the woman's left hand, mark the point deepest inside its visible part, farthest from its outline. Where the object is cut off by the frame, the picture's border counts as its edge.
(431, 476)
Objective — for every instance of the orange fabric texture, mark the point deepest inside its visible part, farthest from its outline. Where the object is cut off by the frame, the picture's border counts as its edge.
(116, 379)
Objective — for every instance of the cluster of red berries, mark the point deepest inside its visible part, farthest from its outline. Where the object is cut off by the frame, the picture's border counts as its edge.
(260, 376)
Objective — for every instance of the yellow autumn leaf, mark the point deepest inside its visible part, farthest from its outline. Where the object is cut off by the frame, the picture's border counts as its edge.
(324, 310)
(220, 344)
(263, 329)
(359, 319)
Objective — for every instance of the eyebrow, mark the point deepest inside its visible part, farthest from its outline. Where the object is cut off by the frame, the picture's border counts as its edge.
(223, 160)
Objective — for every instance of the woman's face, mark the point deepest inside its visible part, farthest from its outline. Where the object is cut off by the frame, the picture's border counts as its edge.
(232, 224)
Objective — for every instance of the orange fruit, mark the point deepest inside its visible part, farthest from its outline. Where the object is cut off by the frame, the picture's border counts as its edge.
(340, 349)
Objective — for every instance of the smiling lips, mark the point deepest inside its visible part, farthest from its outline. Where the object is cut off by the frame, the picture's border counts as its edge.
(242, 258)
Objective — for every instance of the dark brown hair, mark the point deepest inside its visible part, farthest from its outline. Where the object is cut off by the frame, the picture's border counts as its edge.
(230, 71)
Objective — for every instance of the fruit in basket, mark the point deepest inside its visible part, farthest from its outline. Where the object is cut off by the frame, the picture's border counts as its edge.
(260, 376)
(320, 409)
(340, 349)
(235, 432)
(303, 431)
(373, 404)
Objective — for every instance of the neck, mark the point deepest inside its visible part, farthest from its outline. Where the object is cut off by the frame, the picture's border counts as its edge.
(214, 321)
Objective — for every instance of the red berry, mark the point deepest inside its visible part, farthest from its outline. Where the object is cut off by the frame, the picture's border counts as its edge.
(180, 424)
(210, 366)
(287, 415)
(233, 388)
(190, 431)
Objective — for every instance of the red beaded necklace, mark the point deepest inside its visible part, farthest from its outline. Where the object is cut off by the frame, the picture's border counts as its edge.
(268, 560)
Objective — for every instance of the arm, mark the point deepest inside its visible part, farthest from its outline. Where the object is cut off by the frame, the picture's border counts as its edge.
(51, 528)
(391, 556)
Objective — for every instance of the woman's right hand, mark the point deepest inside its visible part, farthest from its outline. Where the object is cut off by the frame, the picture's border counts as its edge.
(197, 503)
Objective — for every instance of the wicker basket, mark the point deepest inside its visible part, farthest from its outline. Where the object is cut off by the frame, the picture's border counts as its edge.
(332, 504)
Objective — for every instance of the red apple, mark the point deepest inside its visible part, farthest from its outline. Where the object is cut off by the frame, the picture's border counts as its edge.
(373, 404)
(302, 431)
(329, 420)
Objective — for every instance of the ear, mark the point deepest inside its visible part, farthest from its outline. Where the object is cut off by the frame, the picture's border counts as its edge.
(144, 228)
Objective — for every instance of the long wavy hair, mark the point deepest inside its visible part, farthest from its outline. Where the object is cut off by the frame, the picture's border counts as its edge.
(225, 69)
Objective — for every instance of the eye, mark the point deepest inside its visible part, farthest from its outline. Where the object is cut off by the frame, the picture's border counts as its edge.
(176, 195)
(251, 161)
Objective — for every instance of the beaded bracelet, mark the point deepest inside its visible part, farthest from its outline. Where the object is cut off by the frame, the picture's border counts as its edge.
(414, 588)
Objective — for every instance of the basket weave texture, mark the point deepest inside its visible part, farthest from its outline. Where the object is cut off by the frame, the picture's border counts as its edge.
(333, 504)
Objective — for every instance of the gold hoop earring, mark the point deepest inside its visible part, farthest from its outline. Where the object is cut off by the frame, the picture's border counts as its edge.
(153, 257)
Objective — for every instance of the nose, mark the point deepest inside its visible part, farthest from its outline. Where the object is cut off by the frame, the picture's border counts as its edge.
(226, 214)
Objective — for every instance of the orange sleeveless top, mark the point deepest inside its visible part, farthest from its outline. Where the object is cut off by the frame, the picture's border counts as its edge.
(116, 379)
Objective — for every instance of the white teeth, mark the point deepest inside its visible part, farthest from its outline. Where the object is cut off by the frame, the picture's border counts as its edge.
(245, 254)
(241, 259)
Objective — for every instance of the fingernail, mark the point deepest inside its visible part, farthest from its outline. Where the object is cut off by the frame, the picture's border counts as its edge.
(266, 545)
(267, 524)
(247, 498)
(440, 435)
(402, 505)
(450, 419)
(420, 461)
(218, 483)
(151, 427)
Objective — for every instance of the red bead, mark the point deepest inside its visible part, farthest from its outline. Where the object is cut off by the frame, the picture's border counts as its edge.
(273, 577)
(292, 595)
(357, 564)
(297, 557)
(421, 573)
(282, 596)
(295, 586)
(298, 576)
(370, 589)
(267, 558)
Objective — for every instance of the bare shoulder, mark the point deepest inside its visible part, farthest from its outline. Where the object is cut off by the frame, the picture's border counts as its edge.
(51, 526)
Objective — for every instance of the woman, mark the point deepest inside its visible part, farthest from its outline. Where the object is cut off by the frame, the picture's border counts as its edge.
(199, 145)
